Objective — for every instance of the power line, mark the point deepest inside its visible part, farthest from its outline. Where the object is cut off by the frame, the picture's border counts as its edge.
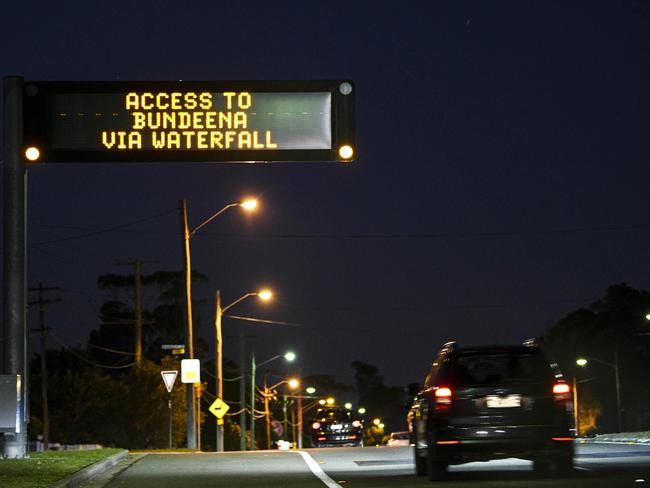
(420, 308)
(364, 236)
(114, 351)
(263, 321)
(101, 231)
(78, 356)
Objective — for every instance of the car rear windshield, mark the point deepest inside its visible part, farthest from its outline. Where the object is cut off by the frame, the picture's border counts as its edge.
(498, 369)
(334, 414)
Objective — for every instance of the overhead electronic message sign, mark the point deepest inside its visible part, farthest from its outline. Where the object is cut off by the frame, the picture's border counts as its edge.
(189, 121)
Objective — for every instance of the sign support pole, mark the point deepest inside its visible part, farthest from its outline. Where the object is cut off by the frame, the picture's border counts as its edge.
(169, 407)
(252, 429)
(242, 393)
(219, 367)
(14, 261)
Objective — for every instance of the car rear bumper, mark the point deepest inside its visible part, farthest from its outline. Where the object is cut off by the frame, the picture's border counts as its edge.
(464, 450)
(338, 440)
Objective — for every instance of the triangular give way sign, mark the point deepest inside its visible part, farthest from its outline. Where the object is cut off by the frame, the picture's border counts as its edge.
(169, 377)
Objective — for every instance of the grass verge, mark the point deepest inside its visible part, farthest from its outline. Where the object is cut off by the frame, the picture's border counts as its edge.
(44, 468)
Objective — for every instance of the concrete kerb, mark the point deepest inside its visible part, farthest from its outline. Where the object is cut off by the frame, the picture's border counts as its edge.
(88, 472)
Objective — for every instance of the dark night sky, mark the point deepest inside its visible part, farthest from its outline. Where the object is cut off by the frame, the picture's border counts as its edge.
(501, 181)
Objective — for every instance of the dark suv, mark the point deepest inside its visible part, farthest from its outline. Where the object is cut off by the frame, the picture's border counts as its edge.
(334, 426)
(495, 402)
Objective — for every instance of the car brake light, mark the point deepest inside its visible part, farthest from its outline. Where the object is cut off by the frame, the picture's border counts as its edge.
(315, 425)
(442, 396)
(356, 423)
(443, 393)
(561, 391)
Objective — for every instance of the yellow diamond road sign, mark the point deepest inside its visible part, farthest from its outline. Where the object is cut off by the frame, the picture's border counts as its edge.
(219, 408)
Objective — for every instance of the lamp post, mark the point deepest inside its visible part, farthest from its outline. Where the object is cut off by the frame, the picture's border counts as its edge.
(187, 234)
(289, 356)
(264, 295)
(585, 361)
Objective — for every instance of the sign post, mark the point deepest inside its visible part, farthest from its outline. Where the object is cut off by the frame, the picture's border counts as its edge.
(219, 409)
(14, 262)
(169, 377)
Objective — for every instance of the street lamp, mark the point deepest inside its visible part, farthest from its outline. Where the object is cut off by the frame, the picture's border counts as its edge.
(288, 356)
(584, 361)
(264, 295)
(187, 234)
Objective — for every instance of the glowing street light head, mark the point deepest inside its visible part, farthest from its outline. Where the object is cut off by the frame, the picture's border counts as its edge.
(321, 402)
(330, 401)
(581, 362)
(265, 295)
(249, 204)
(293, 383)
(290, 356)
(362, 410)
(32, 153)
(647, 317)
(348, 406)
(380, 425)
(311, 390)
(376, 421)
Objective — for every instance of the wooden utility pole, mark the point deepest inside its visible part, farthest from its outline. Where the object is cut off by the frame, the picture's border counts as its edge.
(138, 304)
(189, 329)
(138, 314)
(41, 302)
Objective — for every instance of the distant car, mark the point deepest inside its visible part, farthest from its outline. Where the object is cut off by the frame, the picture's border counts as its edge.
(485, 403)
(335, 426)
(398, 439)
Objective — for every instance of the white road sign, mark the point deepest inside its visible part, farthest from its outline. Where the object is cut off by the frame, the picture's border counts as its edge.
(190, 371)
(169, 377)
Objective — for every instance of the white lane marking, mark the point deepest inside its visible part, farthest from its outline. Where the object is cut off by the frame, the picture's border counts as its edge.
(318, 472)
(582, 468)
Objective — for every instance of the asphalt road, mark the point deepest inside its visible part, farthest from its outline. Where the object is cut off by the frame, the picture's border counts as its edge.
(597, 465)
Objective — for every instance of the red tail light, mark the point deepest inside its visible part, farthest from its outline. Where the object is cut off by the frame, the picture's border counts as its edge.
(443, 392)
(442, 396)
(561, 391)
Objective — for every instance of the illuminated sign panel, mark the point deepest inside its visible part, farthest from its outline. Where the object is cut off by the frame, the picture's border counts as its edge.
(189, 121)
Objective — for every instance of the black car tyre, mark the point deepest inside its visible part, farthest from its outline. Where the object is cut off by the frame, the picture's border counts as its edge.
(541, 465)
(436, 465)
(563, 465)
(420, 464)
